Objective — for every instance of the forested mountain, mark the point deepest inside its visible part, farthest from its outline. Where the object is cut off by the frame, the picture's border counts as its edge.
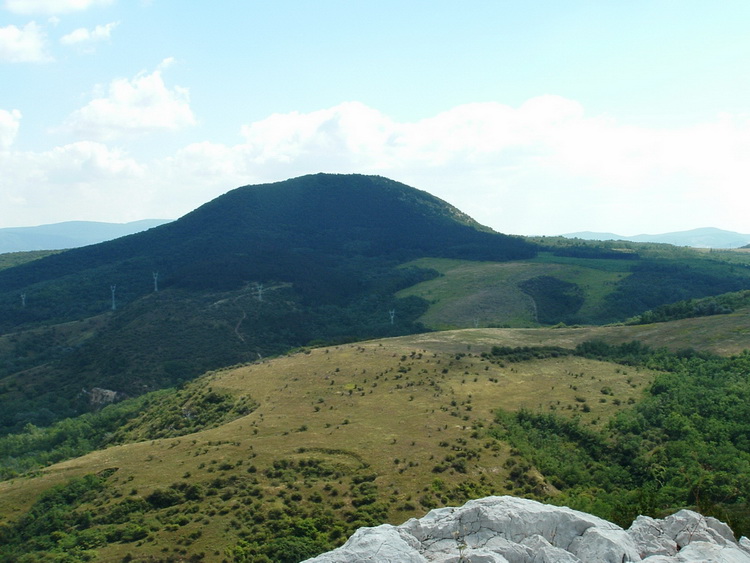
(320, 232)
(255, 272)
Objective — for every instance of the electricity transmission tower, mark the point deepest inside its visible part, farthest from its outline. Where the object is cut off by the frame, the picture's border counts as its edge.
(114, 305)
(392, 313)
(23, 300)
(156, 282)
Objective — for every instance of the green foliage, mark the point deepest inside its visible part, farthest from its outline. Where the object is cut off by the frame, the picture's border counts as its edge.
(35, 447)
(525, 353)
(54, 525)
(629, 353)
(684, 444)
(715, 305)
(555, 300)
(160, 414)
(12, 259)
(593, 252)
(657, 275)
(178, 412)
(654, 283)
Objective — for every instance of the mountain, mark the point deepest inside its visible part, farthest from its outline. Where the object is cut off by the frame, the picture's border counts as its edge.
(698, 238)
(255, 272)
(70, 234)
(288, 231)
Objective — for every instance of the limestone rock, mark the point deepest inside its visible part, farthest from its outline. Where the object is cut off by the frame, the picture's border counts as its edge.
(513, 530)
(99, 397)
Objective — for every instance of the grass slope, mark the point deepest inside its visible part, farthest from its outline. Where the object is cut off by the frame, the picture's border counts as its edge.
(351, 435)
(492, 294)
(471, 294)
(720, 334)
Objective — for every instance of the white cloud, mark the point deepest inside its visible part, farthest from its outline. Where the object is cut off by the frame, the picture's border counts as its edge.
(141, 105)
(27, 7)
(23, 45)
(83, 35)
(84, 180)
(9, 123)
(350, 131)
(544, 167)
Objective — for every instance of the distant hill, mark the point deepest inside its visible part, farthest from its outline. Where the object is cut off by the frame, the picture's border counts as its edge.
(698, 238)
(70, 234)
(321, 233)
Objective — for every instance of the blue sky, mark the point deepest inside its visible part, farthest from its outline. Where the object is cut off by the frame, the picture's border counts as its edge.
(534, 117)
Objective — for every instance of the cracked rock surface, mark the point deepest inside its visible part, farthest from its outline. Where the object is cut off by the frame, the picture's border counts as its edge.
(505, 529)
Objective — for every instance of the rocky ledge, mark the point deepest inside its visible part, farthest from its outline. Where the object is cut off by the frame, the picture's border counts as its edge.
(514, 530)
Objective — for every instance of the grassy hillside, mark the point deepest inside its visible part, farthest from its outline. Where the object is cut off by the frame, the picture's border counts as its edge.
(471, 294)
(582, 283)
(720, 334)
(317, 443)
(352, 435)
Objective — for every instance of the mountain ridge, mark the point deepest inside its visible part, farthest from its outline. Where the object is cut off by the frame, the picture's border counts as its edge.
(706, 237)
(69, 234)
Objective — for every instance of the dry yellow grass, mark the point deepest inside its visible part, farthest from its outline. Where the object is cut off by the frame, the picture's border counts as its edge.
(398, 406)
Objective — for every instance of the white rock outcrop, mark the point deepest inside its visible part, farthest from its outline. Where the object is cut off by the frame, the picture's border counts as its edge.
(514, 530)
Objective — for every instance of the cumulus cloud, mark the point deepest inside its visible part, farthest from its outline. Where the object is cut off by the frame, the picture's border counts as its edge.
(350, 131)
(80, 180)
(468, 133)
(85, 36)
(528, 169)
(23, 45)
(9, 123)
(49, 7)
(141, 105)
(544, 167)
